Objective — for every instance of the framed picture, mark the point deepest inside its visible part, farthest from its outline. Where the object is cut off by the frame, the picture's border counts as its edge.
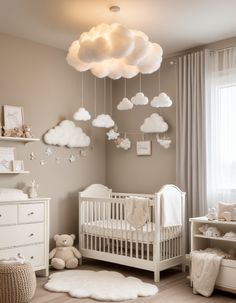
(13, 116)
(18, 165)
(143, 148)
(6, 159)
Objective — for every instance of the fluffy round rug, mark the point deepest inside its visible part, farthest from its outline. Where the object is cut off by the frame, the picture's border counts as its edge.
(101, 285)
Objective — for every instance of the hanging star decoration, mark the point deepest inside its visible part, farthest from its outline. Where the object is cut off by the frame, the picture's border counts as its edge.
(48, 151)
(112, 134)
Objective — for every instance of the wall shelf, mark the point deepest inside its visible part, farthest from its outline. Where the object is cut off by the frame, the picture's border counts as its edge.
(14, 172)
(19, 139)
(214, 238)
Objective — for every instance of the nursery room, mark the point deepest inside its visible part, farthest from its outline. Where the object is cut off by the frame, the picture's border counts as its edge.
(117, 151)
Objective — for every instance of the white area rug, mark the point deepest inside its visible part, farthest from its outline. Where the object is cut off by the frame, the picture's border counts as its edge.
(101, 285)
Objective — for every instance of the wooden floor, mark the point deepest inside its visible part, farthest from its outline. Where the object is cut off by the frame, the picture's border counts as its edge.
(173, 287)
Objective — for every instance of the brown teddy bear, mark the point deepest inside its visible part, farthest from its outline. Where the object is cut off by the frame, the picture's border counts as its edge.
(27, 130)
(64, 255)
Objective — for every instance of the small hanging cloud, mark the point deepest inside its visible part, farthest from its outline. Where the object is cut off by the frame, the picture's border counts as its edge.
(124, 143)
(125, 104)
(112, 134)
(163, 100)
(67, 134)
(154, 124)
(82, 115)
(139, 99)
(103, 121)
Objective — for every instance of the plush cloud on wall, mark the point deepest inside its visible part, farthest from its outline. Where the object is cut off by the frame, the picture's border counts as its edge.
(103, 121)
(67, 134)
(114, 51)
(82, 115)
(154, 124)
(125, 104)
(139, 99)
(163, 100)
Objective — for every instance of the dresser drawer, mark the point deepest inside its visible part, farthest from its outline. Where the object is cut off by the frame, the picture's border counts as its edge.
(20, 235)
(8, 214)
(34, 254)
(31, 213)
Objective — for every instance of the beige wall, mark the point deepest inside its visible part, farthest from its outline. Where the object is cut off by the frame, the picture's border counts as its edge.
(125, 171)
(38, 78)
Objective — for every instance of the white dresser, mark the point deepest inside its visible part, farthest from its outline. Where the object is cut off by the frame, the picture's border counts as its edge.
(24, 228)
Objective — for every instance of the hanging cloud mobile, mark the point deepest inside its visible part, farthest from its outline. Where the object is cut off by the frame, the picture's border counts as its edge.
(114, 51)
(139, 99)
(67, 134)
(82, 115)
(154, 124)
(103, 121)
(112, 134)
(125, 104)
(163, 100)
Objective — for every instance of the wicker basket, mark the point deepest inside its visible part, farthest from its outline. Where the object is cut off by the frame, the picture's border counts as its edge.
(17, 283)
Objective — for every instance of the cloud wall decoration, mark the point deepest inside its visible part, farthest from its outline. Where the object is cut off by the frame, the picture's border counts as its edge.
(154, 124)
(163, 100)
(139, 99)
(125, 104)
(82, 115)
(67, 134)
(114, 51)
(103, 121)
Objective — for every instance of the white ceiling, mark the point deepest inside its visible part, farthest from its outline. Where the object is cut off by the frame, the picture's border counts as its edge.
(174, 24)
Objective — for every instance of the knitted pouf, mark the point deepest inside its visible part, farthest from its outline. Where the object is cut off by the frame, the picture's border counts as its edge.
(17, 283)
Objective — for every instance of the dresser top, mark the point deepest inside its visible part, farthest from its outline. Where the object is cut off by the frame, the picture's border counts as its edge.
(25, 200)
(205, 220)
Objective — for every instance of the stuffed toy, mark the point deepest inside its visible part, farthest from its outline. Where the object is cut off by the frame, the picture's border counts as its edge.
(64, 255)
(8, 132)
(212, 214)
(27, 130)
(18, 132)
(209, 231)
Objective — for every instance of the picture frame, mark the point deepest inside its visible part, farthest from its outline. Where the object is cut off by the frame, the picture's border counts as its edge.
(13, 116)
(144, 148)
(6, 159)
(18, 165)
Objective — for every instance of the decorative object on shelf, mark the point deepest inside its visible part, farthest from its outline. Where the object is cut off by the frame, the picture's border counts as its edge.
(13, 117)
(230, 235)
(67, 134)
(48, 151)
(162, 100)
(27, 131)
(123, 143)
(82, 114)
(154, 124)
(6, 158)
(17, 165)
(112, 134)
(212, 214)
(143, 148)
(114, 51)
(64, 255)
(42, 162)
(125, 103)
(226, 211)
(72, 158)
(164, 142)
(103, 121)
(209, 231)
(33, 188)
(32, 156)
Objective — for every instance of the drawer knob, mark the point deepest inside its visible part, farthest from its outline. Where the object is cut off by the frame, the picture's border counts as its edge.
(32, 257)
(32, 234)
(31, 213)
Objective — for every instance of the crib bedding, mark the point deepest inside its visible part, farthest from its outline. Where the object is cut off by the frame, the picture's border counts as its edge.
(121, 229)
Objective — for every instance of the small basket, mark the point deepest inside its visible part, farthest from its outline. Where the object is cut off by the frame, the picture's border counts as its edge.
(17, 283)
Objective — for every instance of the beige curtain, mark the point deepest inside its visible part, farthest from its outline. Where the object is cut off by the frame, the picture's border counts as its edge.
(190, 140)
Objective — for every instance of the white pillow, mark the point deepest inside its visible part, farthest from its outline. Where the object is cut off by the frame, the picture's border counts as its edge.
(222, 207)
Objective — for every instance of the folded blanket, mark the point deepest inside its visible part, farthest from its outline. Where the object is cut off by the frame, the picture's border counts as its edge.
(204, 271)
(137, 211)
(171, 208)
(10, 194)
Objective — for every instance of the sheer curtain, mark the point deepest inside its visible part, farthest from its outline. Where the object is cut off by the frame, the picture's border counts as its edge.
(221, 127)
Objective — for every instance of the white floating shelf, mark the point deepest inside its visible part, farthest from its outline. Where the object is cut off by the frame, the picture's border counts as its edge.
(15, 172)
(214, 238)
(19, 139)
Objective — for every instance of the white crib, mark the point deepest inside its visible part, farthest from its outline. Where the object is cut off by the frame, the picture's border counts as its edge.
(105, 234)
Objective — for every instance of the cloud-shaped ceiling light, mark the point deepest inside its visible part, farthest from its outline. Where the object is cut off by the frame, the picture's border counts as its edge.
(125, 104)
(82, 115)
(139, 99)
(67, 134)
(163, 100)
(112, 134)
(154, 124)
(114, 51)
(103, 121)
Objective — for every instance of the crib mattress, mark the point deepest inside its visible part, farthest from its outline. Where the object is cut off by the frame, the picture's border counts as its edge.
(123, 230)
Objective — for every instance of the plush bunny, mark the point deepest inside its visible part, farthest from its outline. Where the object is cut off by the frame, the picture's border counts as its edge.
(209, 231)
(64, 255)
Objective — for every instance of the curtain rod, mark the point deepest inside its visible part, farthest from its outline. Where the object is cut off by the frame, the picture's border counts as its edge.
(222, 49)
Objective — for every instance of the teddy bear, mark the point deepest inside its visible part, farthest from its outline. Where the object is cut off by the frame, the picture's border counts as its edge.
(18, 132)
(209, 231)
(7, 132)
(64, 255)
(27, 130)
